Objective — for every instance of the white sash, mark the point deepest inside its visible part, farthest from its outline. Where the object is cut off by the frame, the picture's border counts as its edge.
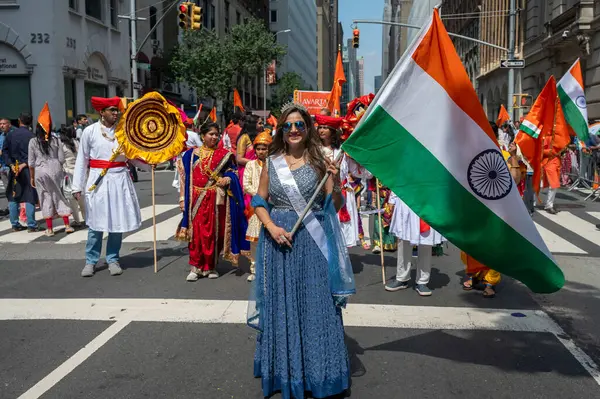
(291, 189)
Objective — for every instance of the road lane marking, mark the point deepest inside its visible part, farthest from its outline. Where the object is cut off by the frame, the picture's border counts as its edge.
(234, 312)
(164, 231)
(557, 244)
(126, 310)
(46, 383)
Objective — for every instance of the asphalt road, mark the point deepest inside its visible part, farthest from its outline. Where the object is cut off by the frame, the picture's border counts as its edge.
(147, 335)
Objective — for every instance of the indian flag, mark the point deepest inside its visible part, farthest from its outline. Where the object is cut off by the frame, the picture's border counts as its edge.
(427, 137)
(572, 99)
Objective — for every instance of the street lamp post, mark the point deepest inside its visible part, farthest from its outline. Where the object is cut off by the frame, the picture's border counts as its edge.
(265, 74)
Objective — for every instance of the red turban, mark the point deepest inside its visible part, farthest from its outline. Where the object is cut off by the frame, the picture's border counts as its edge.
(101, 103)
(329, 121)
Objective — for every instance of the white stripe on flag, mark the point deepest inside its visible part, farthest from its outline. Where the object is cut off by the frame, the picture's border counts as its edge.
(454, 148)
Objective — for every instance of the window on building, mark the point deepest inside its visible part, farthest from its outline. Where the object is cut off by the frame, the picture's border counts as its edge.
(238, 17)
(226, 19)
(73, 5)
(213, 12)
(273, 15)
(114, 12)
(93, 8)
(153, 22)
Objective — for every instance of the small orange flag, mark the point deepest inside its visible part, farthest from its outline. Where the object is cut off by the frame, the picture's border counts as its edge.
(237, 101)
(503, 116)
(45, 119)
(545, 119)
(272, 121)
(336, 91)
(213, 114)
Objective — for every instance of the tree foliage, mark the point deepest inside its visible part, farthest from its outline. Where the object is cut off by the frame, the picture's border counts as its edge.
(213, 65)
(284, 90)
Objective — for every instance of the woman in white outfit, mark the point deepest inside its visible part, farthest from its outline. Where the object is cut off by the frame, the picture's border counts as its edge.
(411, 230)
(70, 147)
(329, 133)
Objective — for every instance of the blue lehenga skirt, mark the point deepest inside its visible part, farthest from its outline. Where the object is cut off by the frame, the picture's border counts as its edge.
(301, 344)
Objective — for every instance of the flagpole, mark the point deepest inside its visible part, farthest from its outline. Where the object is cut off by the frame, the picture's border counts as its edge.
(314, 196)
(380, 232)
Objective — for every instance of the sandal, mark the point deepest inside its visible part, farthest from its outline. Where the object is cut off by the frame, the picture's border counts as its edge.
(468, 284)
(486, 291)
(365, 245)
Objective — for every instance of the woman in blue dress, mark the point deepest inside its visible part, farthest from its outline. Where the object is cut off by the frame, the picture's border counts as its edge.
(302, 282)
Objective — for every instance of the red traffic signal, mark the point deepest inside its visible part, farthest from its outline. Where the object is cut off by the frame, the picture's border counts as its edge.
(184, 16)
(355, 38)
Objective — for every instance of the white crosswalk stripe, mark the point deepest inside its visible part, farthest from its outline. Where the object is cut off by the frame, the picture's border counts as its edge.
(582, 239)
(164, 231)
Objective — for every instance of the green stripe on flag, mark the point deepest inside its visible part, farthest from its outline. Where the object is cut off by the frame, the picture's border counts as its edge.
(573, 115)
(526, 129)
(404, 165)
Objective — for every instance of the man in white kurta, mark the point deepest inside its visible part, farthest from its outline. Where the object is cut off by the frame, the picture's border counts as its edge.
(112, 207)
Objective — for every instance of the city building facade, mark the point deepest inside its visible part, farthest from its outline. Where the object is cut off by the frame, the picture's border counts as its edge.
(361, 76)
(62, 52)
(352, 76)
(326, 43)
(394, 38)
(300, 16)
(377, 82)
(556, 34)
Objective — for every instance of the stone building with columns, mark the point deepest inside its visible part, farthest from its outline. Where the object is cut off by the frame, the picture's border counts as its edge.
(62, 52)
(556, 34)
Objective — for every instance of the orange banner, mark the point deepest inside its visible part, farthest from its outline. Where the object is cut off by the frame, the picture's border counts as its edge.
(314, 101)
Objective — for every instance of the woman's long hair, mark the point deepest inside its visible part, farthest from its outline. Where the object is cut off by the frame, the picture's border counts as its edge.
(250, 127)
(67, 136)
(40, 137)
(336, 140)
(312, 151)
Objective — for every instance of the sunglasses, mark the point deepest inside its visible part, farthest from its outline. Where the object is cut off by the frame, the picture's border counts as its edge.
(300, 126)
(114, 110)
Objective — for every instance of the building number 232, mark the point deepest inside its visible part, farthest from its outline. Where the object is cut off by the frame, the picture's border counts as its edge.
(40, 38)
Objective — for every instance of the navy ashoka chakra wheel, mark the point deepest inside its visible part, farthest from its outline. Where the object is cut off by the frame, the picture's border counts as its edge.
(488, 175)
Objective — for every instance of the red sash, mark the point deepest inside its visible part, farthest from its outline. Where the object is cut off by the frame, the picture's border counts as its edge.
(102, 164)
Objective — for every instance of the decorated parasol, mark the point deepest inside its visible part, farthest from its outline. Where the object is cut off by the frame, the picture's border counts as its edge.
(151, 130)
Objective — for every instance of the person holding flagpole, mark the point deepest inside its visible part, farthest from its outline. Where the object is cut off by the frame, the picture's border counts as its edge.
(112, 206)
(302, 282)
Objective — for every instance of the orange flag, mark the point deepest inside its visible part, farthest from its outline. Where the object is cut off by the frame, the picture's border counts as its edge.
(336, 91)
(45, 119)
(272, 121)
(213, 114)
(546, 119)
(503, 116)
(237, 101)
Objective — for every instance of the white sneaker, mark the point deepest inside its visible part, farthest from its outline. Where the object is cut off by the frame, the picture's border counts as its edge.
(376, 249)
(251, 277)
(115, 269)
(88, 271)
(192, 277)
(49, 233)
(213, 274)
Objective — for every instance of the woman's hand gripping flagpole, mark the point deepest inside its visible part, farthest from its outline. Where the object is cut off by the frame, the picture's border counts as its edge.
(336, 161)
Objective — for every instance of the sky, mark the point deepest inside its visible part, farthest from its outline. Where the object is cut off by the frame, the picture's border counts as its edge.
(370, 34)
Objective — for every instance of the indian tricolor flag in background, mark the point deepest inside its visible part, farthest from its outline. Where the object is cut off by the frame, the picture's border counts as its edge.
(544, 120)
(448, 168)
(572, 99)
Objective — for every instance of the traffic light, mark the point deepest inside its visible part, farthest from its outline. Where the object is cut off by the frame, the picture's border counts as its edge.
(195, 17)
(184, 15)
(522, 100)
(355, 38)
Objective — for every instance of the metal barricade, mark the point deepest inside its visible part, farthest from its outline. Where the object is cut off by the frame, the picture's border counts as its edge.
(584, 173)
